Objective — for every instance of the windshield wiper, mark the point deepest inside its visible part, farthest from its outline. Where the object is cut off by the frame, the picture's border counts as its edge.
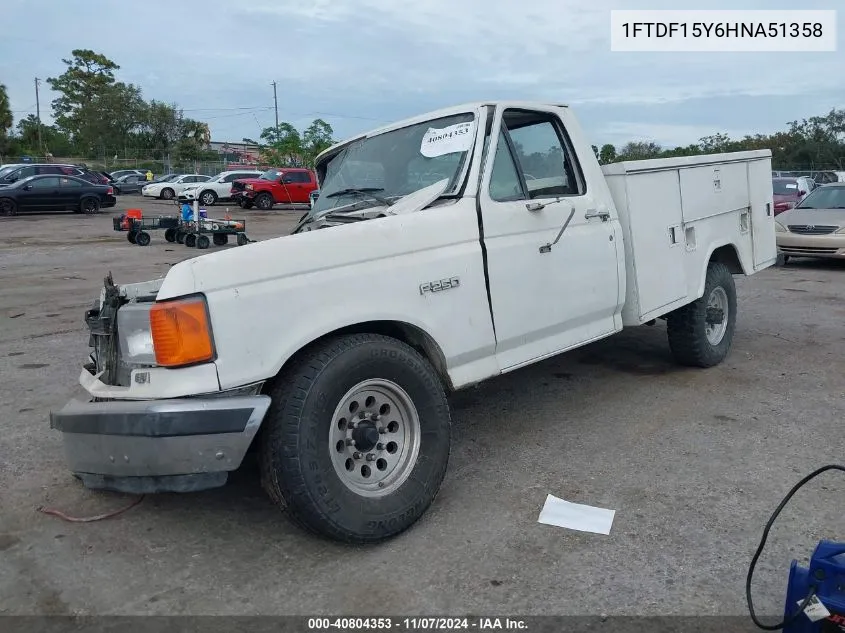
(368, 192)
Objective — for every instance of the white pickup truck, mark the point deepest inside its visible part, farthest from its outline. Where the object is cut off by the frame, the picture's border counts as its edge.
(443, 250)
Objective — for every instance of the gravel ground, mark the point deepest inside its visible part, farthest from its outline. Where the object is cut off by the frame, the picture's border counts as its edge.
(693, 461)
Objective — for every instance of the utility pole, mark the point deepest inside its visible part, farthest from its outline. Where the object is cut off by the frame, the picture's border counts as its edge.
(38, 115)
(276, 102)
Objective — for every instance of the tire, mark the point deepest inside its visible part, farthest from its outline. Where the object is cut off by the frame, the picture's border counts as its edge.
(264, 201)
(307, 475)
(131, 237)
(203, 242)
(190, 240)
(687, 327)
(170, 235)
(89, 205)
(220, 239)
(180, 237)
(782, 260)
(142, 239)
(243, 240)
(167, 193)
(8, 207)
(207, 198)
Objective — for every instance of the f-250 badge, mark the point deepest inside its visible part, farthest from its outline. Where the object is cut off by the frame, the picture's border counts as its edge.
(442, 284)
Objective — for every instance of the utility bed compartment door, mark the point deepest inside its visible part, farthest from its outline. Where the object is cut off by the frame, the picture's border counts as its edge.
(714, 189)
(657, 244)
(762, 219)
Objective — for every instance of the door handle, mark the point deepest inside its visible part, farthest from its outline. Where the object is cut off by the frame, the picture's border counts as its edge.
(592, 213)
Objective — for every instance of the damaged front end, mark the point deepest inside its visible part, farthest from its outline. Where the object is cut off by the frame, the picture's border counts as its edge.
(119, 330)
(148, 428)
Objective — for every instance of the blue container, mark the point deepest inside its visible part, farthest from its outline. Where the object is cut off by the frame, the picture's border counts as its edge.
(827, 573)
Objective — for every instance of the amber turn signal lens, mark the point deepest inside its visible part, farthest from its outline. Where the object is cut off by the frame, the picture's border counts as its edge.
(181, 332)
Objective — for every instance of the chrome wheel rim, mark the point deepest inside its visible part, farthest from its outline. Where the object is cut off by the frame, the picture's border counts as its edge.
(374, 439)
(207, 198)
(714, 328)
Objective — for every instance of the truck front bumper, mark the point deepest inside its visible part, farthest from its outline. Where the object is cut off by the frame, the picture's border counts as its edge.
(149, 446)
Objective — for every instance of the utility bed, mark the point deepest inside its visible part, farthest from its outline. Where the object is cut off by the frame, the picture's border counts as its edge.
(669, 206)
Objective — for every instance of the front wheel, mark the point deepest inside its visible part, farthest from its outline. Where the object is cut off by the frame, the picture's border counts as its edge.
(131, 237)
(356, 442)
(142, 239)
(170, 235)
(701, 333)
(167, 194)
(180, 237)
(264, 202)
(208, 198)
(220, 239)
(190, 240)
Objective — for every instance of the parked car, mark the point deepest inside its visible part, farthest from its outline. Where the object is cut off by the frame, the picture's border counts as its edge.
(167, 190)
(129, 183)
(217, 188)
(19, 172)
(126, 172)
(815, 227)
(165, 178)
(287, 185)
(48, 192)
(347, 408)
(789, 191)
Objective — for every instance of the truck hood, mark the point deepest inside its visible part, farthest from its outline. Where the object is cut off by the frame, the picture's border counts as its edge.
(301, 253)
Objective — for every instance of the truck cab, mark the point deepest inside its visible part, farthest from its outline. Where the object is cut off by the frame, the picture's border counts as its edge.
(287, 185)
(443, 250)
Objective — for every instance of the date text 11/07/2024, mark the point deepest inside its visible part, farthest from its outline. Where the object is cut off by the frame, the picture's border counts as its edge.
(416, 624)
(724, 29)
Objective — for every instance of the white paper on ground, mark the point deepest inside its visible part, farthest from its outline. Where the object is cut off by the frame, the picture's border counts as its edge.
(576, 516)
(455, 138)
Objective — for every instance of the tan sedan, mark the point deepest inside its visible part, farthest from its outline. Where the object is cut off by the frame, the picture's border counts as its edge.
(815, 227)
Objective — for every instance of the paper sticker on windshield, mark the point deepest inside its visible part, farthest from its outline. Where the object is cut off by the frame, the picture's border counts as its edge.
(791, 186)
(447, 140)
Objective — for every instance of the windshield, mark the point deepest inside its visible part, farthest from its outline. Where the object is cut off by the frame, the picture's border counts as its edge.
(397, 163)
(5, 170)
(785, 187)
(824, 198)
(271, 174)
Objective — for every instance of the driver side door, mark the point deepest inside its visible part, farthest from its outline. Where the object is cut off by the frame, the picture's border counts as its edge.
(546, 296)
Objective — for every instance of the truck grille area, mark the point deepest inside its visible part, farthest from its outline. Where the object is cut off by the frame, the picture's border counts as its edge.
(812, 229)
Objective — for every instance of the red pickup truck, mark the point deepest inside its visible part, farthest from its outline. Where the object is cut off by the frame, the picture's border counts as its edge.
(282, 185)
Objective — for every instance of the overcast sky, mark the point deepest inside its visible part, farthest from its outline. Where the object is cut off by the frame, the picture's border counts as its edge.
(361, 63)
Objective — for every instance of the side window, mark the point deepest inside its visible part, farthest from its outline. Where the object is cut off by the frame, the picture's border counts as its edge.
(543, 158)
(504, 180)
(24, 172)
(232, 177)
(45, 183)
(50, 169)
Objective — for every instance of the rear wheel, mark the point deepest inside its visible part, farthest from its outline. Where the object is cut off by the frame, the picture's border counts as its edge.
(167, 193)
(142, 239)
(264, 201)
(221, 239)
(89, 206)
(131, 237)
(701, 333)
(8, 207)
(243, 240)
(180, 237)
(356, 442)
(190, 240)
(203, 242)
(170, 235)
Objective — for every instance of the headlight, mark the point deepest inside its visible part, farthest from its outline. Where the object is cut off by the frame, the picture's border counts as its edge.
(780, 228)
(841, 231)
(135, 337)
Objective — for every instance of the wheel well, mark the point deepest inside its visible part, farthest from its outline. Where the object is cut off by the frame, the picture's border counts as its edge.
(728, 256)
(405, 332)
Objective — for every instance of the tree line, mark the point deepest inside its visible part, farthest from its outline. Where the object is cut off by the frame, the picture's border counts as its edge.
(814, 143)
(98, 117)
